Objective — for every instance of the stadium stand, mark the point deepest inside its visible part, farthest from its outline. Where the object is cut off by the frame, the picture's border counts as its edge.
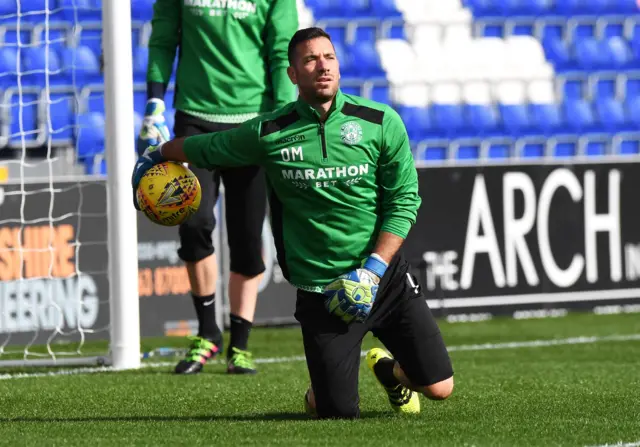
(472, 79)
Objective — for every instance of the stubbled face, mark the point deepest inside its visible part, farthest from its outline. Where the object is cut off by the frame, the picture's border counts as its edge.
(315, 70)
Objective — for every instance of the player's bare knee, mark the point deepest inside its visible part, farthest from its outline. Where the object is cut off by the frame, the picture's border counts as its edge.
(440, 390)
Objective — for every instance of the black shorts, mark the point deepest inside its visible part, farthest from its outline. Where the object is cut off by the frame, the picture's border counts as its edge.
(246, 200)
(400, 319)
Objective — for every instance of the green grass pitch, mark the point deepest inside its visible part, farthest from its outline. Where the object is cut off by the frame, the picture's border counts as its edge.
(583, 394)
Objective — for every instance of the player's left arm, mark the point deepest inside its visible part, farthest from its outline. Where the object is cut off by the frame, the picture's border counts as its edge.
(281, 25)
(351, 297)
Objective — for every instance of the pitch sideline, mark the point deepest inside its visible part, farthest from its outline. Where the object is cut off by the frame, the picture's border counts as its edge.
(299, 358)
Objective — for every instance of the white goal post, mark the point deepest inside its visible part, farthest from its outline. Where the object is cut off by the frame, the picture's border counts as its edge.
(123, 233)
(28, 289)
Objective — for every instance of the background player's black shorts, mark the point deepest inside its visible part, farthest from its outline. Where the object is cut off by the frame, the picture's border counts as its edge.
(400, 319)
(246, 201)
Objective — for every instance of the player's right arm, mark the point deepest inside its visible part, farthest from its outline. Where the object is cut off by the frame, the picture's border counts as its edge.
(235, 147)
(163, 43)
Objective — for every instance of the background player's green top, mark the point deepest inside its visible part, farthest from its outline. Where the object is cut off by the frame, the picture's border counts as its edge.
(232, 58)
(333, 186)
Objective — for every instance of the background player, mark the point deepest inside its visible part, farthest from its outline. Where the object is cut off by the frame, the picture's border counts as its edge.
(231, 67)
(342, 202)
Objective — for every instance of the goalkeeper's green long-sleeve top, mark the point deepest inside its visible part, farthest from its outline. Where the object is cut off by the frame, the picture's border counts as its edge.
(232, 55)
(333, 186)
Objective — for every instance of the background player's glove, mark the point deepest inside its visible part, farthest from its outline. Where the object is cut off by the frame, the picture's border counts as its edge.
(149, 158)
(154, 128)
(351, 296)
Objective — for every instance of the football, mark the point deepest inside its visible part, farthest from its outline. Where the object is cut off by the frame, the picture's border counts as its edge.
(169, 193)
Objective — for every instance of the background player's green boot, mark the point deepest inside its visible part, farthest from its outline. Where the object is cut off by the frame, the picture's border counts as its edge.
(201, 351)
(240, 362)
(402, 399)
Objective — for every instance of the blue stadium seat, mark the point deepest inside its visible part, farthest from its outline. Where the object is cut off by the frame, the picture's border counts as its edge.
(611, 115)
(8, 64)
(577, 7)
(523, 7)
(12, 37)
(397, 32)
(523, 29)
(385, 9)
(617, 51)
(142, 10)
(468, 151)
(366, 33)
(595, 148)
(434, 153)
(63, 117)
(35, 11)
(8, 7)
(546, 119)
(589, 55)
(499, 150)
(483, 8)
(493, 30)
(368, 60)
(557, 52)
(338, 34)
(515, 118)
(574, 88)
(632, 87)
(90, 134)
(448, 119)
(533, 150)
(355, 8)
(633, 111)
(24, 118)
(327, 9)
(380, 93)
(81, 10)
(92, 38)
(579, 115)
(629, 146)
(614, 29)
(81, 66)
(39, 63)
(417, 120)
(350, 90)
(95, 101)
(481, 120)
(605, 87)
(623, 6)
(583, 31)
(565, 149)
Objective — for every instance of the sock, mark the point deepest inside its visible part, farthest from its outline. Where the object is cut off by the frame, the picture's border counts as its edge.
(239, 329)
(206, 312)
(384, 371)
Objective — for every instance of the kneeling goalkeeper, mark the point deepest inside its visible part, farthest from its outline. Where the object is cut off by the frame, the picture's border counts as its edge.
(343, 193)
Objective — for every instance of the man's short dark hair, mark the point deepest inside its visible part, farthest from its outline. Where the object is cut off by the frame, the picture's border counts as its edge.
(304, 35)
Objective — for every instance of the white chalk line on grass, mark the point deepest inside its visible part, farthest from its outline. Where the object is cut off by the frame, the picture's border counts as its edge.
(619, 444)
(299, 358)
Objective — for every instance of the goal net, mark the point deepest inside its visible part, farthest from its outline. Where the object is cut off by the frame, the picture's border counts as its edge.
(63, 221)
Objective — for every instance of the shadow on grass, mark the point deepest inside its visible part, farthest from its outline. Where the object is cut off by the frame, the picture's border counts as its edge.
(285, 416)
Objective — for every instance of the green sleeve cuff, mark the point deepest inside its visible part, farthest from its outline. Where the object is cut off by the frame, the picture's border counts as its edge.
(399, 226)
